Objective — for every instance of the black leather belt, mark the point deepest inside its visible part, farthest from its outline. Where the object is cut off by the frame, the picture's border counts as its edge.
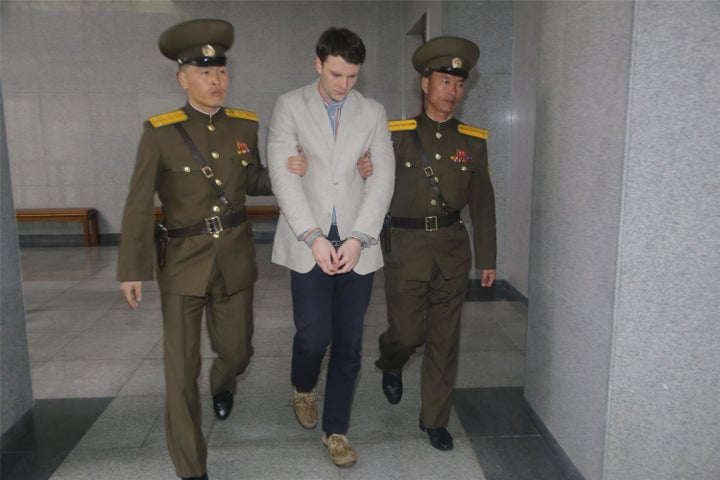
(429, 224)
(210, 225)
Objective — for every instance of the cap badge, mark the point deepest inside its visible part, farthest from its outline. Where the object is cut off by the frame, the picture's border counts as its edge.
(208, 51)
(456, 63)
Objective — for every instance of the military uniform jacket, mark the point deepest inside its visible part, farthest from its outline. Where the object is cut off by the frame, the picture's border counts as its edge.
(457, 155)
(228, 142)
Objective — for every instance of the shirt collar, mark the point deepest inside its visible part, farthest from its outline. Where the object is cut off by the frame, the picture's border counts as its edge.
(205, 113)
(329, 102)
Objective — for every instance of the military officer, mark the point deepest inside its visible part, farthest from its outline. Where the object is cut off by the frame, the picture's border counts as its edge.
(201, 160)
(441, 166)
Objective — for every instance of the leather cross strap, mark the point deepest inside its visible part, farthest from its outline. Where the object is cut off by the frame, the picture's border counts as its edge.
(429, 172)
(204, 167)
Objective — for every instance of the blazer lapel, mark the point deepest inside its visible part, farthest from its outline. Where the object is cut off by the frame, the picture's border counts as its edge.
(318, 115)
(348, 124)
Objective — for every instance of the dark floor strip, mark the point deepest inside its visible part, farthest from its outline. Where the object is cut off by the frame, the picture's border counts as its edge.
(505, 439)
(500, 290)
(54, 429)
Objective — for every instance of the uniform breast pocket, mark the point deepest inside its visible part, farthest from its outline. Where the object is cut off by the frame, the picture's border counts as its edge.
(454, 183)
(179, 177)
(459, 175)
(183, 173)
(462, 169)
(408, 166)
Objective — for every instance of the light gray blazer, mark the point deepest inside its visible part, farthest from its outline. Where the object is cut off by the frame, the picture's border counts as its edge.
(332, 179)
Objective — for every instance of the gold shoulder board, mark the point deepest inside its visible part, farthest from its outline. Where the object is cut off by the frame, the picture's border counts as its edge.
(246, 114)
(168, 118)
(400, 125)
(473, 131)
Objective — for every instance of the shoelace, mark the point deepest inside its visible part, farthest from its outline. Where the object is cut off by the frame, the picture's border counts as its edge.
(304, 399)
(339, 442)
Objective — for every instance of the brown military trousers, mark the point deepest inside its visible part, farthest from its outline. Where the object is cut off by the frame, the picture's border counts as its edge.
(425, 313)
(230, 328)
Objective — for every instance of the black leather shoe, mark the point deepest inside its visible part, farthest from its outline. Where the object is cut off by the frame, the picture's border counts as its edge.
(222, 404)
(203, 477)
(392, 386)
(440, 438)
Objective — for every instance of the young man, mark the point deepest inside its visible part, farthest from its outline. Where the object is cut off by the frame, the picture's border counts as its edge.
(441, 167)
(201, 161)
(329, 224)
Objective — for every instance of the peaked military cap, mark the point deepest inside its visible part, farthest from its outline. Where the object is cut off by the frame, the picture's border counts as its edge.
(202, 42)
(453, 55)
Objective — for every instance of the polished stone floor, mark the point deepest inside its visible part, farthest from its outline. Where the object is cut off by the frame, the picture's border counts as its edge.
(97, 381)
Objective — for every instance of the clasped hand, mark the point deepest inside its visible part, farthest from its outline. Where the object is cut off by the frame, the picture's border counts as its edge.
(332, 261)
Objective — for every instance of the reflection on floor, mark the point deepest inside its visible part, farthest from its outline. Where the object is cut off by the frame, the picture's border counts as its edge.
(97, 378)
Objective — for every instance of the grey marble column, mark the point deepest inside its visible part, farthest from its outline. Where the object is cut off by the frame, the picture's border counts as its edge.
(15, 385)
(623, 363)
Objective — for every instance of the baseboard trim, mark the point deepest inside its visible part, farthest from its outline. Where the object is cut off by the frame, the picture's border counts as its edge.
(17, 430)
(562, 460)
(501, 290)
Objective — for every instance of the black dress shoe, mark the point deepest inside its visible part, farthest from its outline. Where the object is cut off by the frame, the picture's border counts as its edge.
(203, 477)
(222, 404)
(440, 438)
(392, 386)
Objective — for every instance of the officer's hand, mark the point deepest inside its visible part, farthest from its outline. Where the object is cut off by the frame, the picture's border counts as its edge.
(298, 164)
(365, 166)
(132, 291)
(348, 255)
(488, 278)
(325, 255)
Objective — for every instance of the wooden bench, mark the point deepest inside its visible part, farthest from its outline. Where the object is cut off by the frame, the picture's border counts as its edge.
(255, 212)
(87, 216)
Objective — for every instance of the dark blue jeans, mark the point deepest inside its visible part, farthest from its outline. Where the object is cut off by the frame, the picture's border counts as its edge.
(329, 310)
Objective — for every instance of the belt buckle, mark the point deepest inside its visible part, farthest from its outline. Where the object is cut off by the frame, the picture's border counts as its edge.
(214, 226)
(207, 171)
(429, 223)
(428, 171)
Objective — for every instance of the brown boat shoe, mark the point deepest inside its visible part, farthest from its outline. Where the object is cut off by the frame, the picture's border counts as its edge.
(305, 406)
(342, 453)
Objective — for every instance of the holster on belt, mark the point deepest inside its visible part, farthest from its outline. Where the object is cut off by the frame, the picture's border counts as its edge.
(161, 241)
(386, 234)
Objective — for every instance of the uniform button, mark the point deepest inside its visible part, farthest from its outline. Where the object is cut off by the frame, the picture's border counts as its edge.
(244, 163)
(408, 164)
(186, 169)
(438, 135)
(463, 168)
(438, 156)
(215, 155)
(437, 179)
(433, 202)
(218, 182)
(211, 127)
(216, 209)
(216, 235)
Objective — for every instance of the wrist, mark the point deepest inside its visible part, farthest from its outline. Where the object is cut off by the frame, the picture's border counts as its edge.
(359, 240)
(311, 235)
(311, 242)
